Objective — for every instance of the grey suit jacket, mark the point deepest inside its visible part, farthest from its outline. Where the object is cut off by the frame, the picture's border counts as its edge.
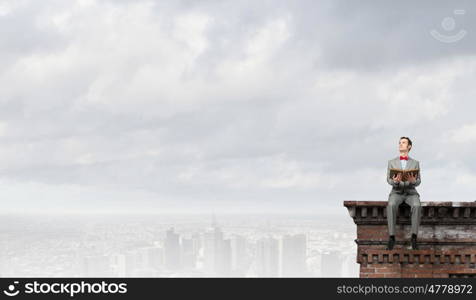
(404, 186)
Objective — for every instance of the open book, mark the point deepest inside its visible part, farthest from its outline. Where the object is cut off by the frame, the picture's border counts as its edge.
(405, 173)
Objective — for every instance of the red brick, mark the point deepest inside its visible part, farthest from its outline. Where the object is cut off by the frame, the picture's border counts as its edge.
(442, 251)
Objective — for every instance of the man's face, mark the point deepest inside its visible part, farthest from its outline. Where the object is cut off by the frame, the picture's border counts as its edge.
(403, 145)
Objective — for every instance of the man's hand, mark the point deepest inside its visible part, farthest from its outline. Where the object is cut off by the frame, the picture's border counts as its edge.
(397, 178)
(412, 177)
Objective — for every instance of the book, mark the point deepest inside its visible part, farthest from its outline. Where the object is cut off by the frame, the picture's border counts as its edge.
(404, 173)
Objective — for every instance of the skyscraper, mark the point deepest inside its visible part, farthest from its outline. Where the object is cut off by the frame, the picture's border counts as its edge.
(172, 250)
(267, 257)
(331, 264)
(238, 255)
(188, 256)
(217, 252)
(293, 255)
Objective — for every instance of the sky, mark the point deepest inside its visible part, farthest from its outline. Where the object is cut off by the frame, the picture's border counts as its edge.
(232, 106)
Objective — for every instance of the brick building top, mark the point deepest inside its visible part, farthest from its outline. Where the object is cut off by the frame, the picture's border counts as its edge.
(432, 212)
(446, 240)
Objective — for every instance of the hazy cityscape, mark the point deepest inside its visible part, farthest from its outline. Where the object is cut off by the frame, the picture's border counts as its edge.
(177, 246)
(141, 138)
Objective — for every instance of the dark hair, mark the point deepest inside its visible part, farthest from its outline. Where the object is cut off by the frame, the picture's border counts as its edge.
(409, 141)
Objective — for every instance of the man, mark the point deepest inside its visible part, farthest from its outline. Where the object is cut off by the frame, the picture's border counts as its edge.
(403, 191)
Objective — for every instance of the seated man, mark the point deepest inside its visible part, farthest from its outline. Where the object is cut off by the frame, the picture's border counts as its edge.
(403, 191)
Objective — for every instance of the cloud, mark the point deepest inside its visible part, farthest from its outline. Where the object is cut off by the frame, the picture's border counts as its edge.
(464, 134)
(226, 105)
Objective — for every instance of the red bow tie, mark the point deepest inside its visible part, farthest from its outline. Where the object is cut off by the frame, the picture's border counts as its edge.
(404, 157)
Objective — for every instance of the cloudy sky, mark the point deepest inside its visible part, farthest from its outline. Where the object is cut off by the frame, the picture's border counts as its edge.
(239, 106)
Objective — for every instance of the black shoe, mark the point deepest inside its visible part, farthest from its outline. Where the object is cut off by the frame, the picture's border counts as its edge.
(391, 242)
(414, 242)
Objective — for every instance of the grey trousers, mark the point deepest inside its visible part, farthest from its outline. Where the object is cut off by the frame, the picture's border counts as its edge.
(394, 200)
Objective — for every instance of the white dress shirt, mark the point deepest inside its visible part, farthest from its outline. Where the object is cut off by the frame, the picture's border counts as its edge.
(403, 162)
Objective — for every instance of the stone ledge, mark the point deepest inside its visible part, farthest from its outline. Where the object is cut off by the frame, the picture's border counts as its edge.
(375, 212)
(418, 256)
(423, 203)
(436, 234)
(420, 243)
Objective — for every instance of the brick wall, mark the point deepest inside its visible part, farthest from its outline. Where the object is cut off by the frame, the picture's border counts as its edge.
(446, 240)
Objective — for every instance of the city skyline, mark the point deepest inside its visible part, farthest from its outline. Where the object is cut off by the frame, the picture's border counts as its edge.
(271, 246)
